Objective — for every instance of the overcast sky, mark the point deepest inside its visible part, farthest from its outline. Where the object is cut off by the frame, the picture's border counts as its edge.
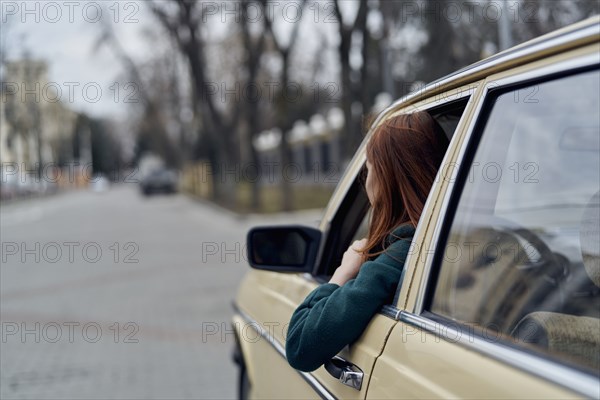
(64, 37)
(63, 34)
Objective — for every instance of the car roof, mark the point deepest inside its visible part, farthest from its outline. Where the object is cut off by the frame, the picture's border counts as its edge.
(568, 38)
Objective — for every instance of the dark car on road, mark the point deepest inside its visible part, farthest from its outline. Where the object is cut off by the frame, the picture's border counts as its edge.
(159, 181)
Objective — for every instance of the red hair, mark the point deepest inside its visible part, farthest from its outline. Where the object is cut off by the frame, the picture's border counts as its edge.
(405, 152)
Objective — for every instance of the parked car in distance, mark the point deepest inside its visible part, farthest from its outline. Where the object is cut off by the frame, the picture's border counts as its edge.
(9, 186)
(159, 181)
(99, 183)
(19, 186)
(500, 294)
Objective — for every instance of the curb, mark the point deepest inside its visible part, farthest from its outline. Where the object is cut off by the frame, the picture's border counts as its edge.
(310, 213)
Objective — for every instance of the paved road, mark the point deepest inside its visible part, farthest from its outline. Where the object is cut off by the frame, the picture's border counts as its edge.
(112, 295)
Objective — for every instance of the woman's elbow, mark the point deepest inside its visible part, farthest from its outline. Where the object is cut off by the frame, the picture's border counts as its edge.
(302, 362)
(300, 359)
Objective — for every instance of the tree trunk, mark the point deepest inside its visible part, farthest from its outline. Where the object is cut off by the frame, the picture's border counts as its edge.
(255, 183)
(347, 96)
(285, 125)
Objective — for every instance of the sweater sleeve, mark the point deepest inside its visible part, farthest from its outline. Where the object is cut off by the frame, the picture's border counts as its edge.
(332, 317)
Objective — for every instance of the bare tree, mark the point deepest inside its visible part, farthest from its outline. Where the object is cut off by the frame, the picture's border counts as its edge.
(218, 129)
(284, 122)
(152, 130)
(537, 17)
(346, 32)
(254, 50)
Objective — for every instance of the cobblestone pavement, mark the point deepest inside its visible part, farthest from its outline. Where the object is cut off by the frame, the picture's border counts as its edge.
(115, 296)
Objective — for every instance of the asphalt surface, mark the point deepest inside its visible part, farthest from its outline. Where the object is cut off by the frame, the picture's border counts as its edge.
(113, 295)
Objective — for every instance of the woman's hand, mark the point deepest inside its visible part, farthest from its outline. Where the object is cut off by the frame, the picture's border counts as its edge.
(351, 262)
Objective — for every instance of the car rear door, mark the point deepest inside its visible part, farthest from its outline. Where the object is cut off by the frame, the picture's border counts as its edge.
(502, 299)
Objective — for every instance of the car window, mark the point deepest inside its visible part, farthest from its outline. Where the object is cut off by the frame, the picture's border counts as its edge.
(448, 116)
(344, 225)
(521, 259)
(363, 228)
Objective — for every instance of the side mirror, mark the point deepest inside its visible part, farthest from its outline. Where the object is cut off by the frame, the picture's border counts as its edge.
(283, 248)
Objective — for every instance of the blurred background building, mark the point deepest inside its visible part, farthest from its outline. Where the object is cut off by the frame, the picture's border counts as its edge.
(37, 128)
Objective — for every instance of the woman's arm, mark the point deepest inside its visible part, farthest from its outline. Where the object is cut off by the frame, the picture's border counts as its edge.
(334, 316)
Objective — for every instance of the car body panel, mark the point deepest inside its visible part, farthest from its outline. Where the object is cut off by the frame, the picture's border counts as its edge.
(419, 364)
(268, 385)
(275, 296)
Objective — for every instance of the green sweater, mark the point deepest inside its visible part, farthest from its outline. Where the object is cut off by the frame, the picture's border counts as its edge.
(332, 317)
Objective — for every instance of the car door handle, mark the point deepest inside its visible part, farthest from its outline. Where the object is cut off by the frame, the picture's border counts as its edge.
(346, 372)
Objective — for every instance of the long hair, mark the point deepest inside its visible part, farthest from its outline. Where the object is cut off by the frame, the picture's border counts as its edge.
(405, 152)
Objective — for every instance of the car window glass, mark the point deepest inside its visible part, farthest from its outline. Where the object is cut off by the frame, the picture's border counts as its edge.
(448, 116)
(363, 228)
(521, 261)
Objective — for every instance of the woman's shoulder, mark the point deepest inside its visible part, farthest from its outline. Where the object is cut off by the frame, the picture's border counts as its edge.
(404, 231)
(397, 245)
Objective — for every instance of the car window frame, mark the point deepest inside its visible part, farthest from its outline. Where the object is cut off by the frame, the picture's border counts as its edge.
(347, 219)
(549, 369)
(412, 256)
(333, 235)
(437, 101)
(463, 97)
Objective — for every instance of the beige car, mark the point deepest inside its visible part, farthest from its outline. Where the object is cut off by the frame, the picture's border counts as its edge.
(500, 296)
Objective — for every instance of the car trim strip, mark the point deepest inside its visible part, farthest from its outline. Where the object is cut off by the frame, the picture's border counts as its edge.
(391, 312)
(309, 378)
(564, 376)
